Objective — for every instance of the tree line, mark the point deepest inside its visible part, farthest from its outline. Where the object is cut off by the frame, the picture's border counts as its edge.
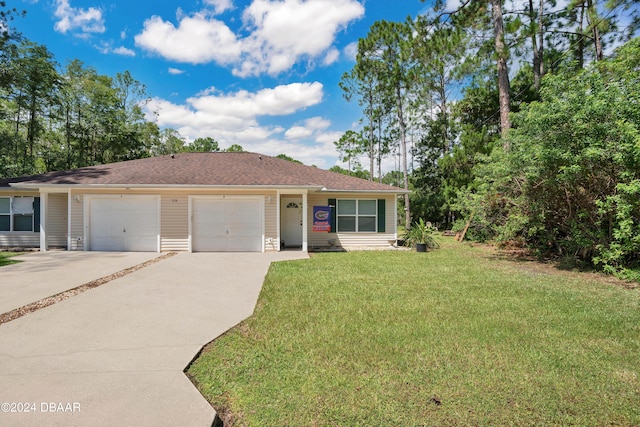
(518, 114)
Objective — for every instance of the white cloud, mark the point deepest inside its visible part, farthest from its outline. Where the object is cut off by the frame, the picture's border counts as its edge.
(279, 101)
(351, 51)
(328, 138)
(277, 34)
(298, 132)
(332, 56)
(234, 118)
(70, 18)
(286, 31)
(220, 6)
(452, 5)
(197, 40)
(175, 71)
(312, 126)
(124, 51)
(237, 111)
(317, 123)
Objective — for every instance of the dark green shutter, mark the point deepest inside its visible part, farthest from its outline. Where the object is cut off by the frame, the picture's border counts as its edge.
(381, 215)
(332, 217)
(36, 214)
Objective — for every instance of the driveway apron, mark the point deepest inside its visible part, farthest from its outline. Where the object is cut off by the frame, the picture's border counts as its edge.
(115, 355)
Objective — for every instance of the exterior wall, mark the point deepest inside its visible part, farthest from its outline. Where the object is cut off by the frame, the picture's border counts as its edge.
(174, 219)
(353, 240)
(174, 214)
(57, 220)
(77, 221)
(19, 239)
(271, 242)
(174, 222)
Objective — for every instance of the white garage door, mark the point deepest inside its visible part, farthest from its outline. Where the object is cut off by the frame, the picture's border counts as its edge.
(124, 223)
(226, 225)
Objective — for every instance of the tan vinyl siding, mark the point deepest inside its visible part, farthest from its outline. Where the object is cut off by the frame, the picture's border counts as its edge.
(353, 240)
(174, 217)
(19, 239)
(271, 242)
(57, 222)
(174, 222)
(77, 221)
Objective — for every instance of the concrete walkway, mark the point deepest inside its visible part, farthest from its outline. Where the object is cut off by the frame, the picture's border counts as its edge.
(115, 355)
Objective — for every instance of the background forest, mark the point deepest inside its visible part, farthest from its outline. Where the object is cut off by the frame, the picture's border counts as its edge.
(520, 115)
(523, 115)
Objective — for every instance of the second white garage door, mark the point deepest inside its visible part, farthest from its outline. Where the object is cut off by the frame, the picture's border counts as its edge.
(226, 224)
(124, 223)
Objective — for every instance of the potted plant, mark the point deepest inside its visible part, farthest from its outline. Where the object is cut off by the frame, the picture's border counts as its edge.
(421, 236)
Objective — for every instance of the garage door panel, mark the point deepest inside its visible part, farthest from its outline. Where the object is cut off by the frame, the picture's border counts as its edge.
(227, 225)
(124, 224)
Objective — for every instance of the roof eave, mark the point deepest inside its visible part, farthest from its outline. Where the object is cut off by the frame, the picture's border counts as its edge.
(392, 191)
(35, 186)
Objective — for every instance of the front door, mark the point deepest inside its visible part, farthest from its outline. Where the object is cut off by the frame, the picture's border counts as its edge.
(291, 221)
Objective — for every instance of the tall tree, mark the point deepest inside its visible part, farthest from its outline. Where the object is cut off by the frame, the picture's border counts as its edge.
(235, 148)
(390, 45)
(363, 83)
(503, 71)
(206, 145)
(350, 146)
(8, 38)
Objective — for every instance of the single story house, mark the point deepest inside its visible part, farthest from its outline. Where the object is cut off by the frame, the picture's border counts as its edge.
(196, 202)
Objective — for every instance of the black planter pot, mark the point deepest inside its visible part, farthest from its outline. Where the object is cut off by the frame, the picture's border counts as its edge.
(421, 247)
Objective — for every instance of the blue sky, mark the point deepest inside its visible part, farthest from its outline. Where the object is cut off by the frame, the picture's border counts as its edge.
(263, 74)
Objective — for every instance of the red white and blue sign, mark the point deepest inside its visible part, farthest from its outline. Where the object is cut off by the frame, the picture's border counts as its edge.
(322, 219)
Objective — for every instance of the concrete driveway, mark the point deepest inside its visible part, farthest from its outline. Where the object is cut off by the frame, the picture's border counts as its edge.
(115, 355)
(43, 274)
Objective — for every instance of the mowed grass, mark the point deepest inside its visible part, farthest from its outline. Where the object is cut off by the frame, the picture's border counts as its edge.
(456, 336)
(6, 258)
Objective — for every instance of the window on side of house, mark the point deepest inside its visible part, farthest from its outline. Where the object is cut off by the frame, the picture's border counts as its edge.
(357, 215)
(16, 213)
(5, 213)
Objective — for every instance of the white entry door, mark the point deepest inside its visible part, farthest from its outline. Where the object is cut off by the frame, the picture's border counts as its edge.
(124, 223)
(291, 221)
(226, 224)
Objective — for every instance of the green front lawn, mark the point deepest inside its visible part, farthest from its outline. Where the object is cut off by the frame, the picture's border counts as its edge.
(457, 336)
(6, 258)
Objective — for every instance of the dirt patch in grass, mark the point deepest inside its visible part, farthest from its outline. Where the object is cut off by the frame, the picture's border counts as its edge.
(45, 302)
(524, 260)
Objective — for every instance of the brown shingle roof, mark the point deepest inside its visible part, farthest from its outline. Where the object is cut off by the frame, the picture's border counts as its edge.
(204, 169)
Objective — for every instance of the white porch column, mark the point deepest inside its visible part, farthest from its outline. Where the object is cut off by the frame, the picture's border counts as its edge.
(278, 220)
(304, 222)
(44, 202)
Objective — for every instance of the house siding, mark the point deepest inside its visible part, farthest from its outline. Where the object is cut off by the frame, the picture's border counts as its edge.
(271, 242)
(77, 232)
(57, 220)
(174, 219)
(353, 240)
(174, 222)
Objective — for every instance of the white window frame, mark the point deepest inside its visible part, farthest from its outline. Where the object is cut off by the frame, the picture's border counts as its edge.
(12, 214)
(357, 216)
